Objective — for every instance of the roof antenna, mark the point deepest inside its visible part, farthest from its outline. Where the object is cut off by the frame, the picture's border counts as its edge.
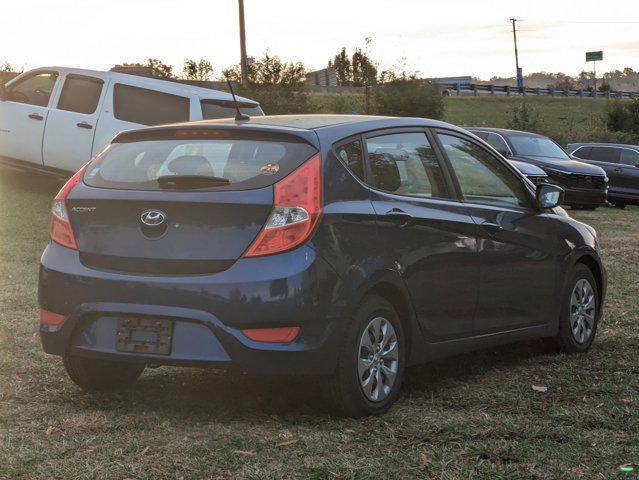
(239, 116)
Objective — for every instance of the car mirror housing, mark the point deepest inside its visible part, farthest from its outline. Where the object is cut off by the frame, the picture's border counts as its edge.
(549, 196)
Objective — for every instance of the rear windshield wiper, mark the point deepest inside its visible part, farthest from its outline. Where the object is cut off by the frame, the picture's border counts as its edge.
(191, 181)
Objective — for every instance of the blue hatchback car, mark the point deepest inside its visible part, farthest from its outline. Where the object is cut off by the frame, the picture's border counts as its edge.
(342, 247)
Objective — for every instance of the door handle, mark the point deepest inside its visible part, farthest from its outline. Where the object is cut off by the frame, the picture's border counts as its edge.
(618, 170)
(35, 116)
(399, 215)
(86, 125)
(491, 229)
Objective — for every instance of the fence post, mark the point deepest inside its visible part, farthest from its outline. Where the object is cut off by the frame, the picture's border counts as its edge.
(474, 89)
(607, 93)
(567, 92)
(458, 88)
(580, 92)
(552, 92)
(508, 90)
(492, 90)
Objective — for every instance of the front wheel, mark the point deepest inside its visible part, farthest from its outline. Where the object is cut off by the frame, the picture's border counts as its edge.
(371, 362)
(580, 312)
(93, 374)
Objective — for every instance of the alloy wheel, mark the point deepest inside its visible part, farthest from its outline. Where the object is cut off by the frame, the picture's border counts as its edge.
(582, 311)
(378, 359)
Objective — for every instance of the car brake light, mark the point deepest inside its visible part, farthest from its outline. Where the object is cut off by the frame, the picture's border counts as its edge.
(60, 229)
(296, 211)
(272, 335)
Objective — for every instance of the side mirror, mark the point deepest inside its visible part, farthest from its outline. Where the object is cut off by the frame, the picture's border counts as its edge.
(3, 92)
(549, 196)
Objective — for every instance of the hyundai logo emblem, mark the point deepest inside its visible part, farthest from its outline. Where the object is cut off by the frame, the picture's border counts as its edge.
(153, 218)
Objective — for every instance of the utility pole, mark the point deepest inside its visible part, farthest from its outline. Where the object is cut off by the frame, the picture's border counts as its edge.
(520, 79)
(243, 59)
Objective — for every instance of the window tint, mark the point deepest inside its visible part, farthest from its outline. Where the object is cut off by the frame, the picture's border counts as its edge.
(482, 177)
(498, 143)
(80, 94)
(583, 152)
(245, 161)
(605, 154)
(406, 164)
(629, 157)
(34, 90)
(225, 109)
(480, 134)
(148, 107)
(351, 155)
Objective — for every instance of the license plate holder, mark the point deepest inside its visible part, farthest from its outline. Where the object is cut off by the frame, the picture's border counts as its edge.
(144, 335)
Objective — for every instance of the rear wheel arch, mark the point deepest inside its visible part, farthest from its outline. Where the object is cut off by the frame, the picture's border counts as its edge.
(394, 295)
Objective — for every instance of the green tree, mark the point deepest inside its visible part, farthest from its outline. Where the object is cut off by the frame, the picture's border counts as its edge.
(197, 70)
(276, 84)
(342, 65)
(363, 69)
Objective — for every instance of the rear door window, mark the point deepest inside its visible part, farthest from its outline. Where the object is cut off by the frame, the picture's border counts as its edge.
(605, 154)
(148, 107)
(405, 164)
(629, 157)
(226, 109)
(498, 143)
(80, 94)
(243, 161)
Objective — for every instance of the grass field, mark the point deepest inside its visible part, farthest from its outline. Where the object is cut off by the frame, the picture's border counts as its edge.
(565, 119)
(472, 417)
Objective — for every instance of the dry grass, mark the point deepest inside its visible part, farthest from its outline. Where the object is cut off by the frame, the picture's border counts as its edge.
(472, 416)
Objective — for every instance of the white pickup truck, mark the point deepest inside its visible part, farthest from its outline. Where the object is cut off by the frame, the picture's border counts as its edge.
(55, 119)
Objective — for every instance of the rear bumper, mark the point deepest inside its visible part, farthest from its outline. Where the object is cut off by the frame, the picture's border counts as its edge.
(208, 311)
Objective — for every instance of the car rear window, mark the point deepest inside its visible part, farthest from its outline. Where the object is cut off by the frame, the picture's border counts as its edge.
(247, 161)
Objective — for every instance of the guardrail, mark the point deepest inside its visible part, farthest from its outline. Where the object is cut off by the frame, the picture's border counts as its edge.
(476, 89)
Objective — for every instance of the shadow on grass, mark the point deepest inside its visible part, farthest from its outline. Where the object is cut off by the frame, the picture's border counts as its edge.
(12, 179)
(201, 394)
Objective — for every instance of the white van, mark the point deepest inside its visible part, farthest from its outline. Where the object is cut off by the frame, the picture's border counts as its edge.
(55, 119)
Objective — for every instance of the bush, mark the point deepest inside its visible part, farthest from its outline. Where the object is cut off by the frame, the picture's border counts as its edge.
(623, 116)
(525, 117)
(337, 103)
(276, 99)
(408, 97)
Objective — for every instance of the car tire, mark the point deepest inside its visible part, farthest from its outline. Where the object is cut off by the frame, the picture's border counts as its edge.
(95, 375)
(363, 371)
(578, 326)
(619, 205)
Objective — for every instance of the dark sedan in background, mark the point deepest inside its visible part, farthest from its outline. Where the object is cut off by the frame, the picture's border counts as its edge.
(621, 163)
(585, 185)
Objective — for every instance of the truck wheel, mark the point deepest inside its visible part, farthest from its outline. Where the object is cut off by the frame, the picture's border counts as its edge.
(371, 361)
(93, 374)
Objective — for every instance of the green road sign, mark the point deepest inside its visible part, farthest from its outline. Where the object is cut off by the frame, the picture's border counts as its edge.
(594, 56)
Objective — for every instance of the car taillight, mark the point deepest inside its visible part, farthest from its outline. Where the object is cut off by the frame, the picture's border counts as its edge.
(60, 230)
(296, 211)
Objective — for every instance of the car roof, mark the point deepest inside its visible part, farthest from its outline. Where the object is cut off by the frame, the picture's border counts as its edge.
(325, 128)
(173, 86)
(602, 144)
(504, 131)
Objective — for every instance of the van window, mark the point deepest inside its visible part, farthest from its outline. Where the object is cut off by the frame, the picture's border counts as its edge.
(148, 107)
(80, 94)
(226, 109)
(243, 161)
(35, 89)
(629, 157)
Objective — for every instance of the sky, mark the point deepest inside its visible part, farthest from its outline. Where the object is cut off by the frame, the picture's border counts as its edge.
(433, 38)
